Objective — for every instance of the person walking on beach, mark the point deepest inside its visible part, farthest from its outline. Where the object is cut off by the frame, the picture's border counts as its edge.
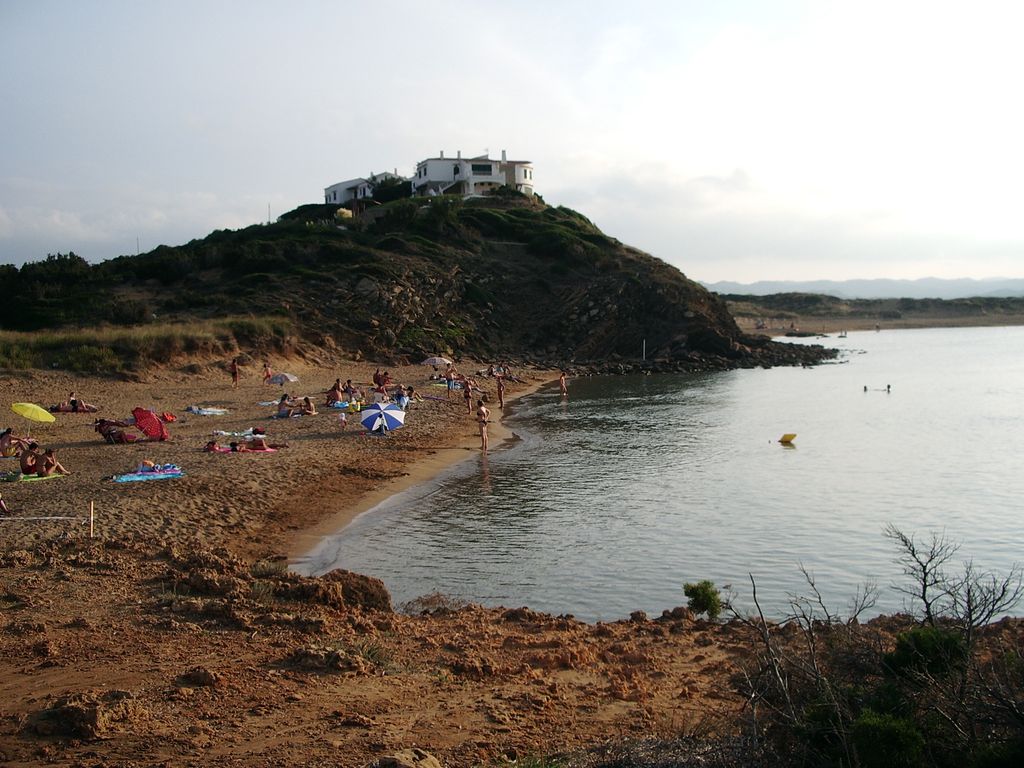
(483, 414)
(561, 384)
(449, 379)
(234, 372)
(467, 394)
(268, 372)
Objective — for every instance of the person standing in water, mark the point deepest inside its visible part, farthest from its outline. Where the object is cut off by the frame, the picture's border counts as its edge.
(561, 384)
(483, 414)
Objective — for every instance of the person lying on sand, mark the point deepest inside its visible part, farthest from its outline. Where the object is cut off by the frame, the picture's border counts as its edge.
(48, 465)
(73, 405)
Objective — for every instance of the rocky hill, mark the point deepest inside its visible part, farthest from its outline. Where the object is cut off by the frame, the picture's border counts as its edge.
(502, 277)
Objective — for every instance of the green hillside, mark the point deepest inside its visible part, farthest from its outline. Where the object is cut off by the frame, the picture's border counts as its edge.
(503, 277)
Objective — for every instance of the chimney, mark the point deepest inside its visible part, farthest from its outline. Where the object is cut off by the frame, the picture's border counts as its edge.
(442, 154)
(503, 158)
(458, 154)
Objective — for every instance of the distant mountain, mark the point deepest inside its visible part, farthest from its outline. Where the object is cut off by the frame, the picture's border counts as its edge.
(924, 288)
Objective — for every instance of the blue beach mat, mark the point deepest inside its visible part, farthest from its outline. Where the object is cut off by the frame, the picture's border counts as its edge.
(164, 473)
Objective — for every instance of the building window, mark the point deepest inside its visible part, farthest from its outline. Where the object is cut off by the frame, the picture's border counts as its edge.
(484, 169)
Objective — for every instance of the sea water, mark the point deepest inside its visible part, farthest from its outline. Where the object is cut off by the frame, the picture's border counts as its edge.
(613, 498)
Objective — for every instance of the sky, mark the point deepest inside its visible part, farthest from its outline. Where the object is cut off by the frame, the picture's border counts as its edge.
(744, 141)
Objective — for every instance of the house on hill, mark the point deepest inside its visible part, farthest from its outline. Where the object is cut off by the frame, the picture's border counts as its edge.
(357, 189)
(471, 176)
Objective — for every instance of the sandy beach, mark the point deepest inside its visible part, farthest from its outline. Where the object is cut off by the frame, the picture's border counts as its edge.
(257, 504)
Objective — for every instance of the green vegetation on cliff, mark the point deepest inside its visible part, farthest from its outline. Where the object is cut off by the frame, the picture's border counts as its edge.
(502, 277)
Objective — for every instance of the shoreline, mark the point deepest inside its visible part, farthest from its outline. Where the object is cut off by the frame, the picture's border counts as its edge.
(420, 471)
(816, 325)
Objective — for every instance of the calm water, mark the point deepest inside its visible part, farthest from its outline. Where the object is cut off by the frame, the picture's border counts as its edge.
(634, 485)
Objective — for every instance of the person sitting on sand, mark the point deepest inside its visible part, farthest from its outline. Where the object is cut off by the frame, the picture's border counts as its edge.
(307, 408)
(3, 506)
(285, 407)
(11, 445)
(29, 459)
(335, 394)
(112, 431)
(48, 465)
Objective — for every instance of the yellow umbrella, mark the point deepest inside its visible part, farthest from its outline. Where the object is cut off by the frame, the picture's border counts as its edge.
(32, 412)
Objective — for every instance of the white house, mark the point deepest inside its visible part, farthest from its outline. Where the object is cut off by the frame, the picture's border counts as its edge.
(356, 189)
(472, 176)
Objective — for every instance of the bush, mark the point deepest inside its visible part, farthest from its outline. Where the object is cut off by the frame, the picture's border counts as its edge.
(884, 741)
(933, 651)
(704, 598)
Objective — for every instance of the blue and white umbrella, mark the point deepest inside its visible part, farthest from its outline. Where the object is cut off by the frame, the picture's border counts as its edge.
(382, 417)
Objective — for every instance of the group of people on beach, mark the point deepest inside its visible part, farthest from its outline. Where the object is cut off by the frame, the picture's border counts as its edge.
(30, 460)
(287, 407)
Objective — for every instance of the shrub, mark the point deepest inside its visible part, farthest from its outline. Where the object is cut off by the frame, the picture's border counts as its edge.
(704, 598)
(87, 358)
(934, 651)
(884, 741)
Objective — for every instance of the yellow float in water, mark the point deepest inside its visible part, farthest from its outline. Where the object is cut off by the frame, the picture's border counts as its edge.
(787, 438)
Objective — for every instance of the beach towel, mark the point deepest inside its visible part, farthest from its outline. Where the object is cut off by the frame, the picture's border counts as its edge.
(338, 405)
(247, 433)
(159, 472)
(203, 411)
(16, 476)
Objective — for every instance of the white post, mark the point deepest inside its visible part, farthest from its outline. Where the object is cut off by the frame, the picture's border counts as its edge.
(92, 517)
(645, 350)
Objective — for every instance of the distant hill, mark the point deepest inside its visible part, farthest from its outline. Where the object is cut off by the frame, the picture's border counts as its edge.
(495, 278)
(924, 288)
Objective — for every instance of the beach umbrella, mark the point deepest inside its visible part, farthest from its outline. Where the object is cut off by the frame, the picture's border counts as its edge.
(32, 412)
(283, 378)
(150, 424)
(436, 361)
(382, 417)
